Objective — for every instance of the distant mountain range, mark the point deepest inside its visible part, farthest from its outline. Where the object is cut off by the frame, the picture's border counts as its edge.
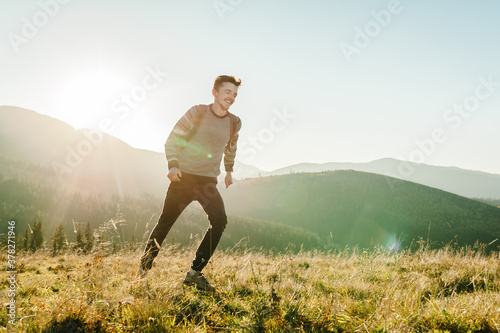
(89, 162)
(467, 183)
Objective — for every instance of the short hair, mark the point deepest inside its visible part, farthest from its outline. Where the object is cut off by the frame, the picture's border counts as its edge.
(226, 78)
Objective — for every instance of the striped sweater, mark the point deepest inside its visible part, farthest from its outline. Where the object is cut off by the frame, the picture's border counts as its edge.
(202, 153)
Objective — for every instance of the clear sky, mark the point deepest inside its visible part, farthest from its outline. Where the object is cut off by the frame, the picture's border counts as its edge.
(323, 81)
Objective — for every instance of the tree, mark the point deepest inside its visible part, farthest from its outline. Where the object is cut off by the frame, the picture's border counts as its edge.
(89, 238)
(58, 240)
(36, 239)
(79, 238)
(24, 241)
(31, 242)
(38, 234)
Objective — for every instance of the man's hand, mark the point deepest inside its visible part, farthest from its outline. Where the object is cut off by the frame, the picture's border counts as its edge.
(174, 175)
(228, 180)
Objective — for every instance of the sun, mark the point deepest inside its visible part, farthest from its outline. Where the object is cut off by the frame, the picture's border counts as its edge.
(84, 97)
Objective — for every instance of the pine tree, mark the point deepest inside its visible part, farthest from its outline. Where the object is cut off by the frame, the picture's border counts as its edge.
(58, 240)
(31, 243)
(24, 241)
(37, 236)
(79, 239)
(89, 238)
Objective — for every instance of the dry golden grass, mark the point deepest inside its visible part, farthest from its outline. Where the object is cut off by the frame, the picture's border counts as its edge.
(351, 291)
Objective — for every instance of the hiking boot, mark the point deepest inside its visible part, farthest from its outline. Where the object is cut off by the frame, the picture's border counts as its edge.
(197, 279)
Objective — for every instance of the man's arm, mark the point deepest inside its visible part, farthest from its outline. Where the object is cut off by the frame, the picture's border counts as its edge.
(228, 180)
(177, 138)
(230, 154)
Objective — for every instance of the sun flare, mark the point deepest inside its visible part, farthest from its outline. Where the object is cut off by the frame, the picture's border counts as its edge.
(83, 97)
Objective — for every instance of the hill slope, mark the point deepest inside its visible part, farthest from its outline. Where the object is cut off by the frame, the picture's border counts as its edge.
(25, 202)
(351, 207)
(83, 161)
(429, 291)
(79, 160)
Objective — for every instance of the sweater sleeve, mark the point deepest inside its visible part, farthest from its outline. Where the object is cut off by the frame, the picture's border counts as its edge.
(230, 149)
(178, 137)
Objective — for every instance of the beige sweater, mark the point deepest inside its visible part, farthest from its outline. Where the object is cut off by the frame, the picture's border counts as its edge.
(202, 153)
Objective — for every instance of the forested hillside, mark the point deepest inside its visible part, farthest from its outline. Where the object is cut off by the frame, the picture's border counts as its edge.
(28, 200)
(351, 207)
(50, 172)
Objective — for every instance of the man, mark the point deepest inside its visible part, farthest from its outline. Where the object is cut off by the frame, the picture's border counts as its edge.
(194, 151)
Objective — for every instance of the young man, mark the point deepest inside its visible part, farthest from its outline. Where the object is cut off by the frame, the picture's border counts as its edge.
(194, 151)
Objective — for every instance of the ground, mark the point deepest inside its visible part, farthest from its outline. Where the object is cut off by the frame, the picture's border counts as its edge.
(348, 291)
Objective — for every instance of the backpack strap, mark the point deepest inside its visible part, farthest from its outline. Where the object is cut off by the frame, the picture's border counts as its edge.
(200, 111)
(234, 125)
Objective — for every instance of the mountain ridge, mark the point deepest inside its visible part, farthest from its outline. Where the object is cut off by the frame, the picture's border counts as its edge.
(464, 182)
(82, 160)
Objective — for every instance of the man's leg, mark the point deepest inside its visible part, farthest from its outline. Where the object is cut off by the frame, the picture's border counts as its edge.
(211, 201)
(179, 196)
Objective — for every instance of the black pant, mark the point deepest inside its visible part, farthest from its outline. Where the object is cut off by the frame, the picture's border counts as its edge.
(179, 196)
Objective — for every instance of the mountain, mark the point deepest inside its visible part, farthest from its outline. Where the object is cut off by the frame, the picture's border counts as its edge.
(468, 183)
(78, 160)
(80, 168)
(356, 208)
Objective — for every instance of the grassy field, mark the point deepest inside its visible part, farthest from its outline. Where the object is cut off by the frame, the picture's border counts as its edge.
(351, 291)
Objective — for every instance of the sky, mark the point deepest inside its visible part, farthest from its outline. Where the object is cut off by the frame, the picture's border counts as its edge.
(322, 81)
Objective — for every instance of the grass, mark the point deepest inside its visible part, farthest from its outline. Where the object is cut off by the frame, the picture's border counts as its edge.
(351, 291)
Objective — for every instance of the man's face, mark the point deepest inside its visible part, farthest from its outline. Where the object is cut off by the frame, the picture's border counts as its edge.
(225, 95)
